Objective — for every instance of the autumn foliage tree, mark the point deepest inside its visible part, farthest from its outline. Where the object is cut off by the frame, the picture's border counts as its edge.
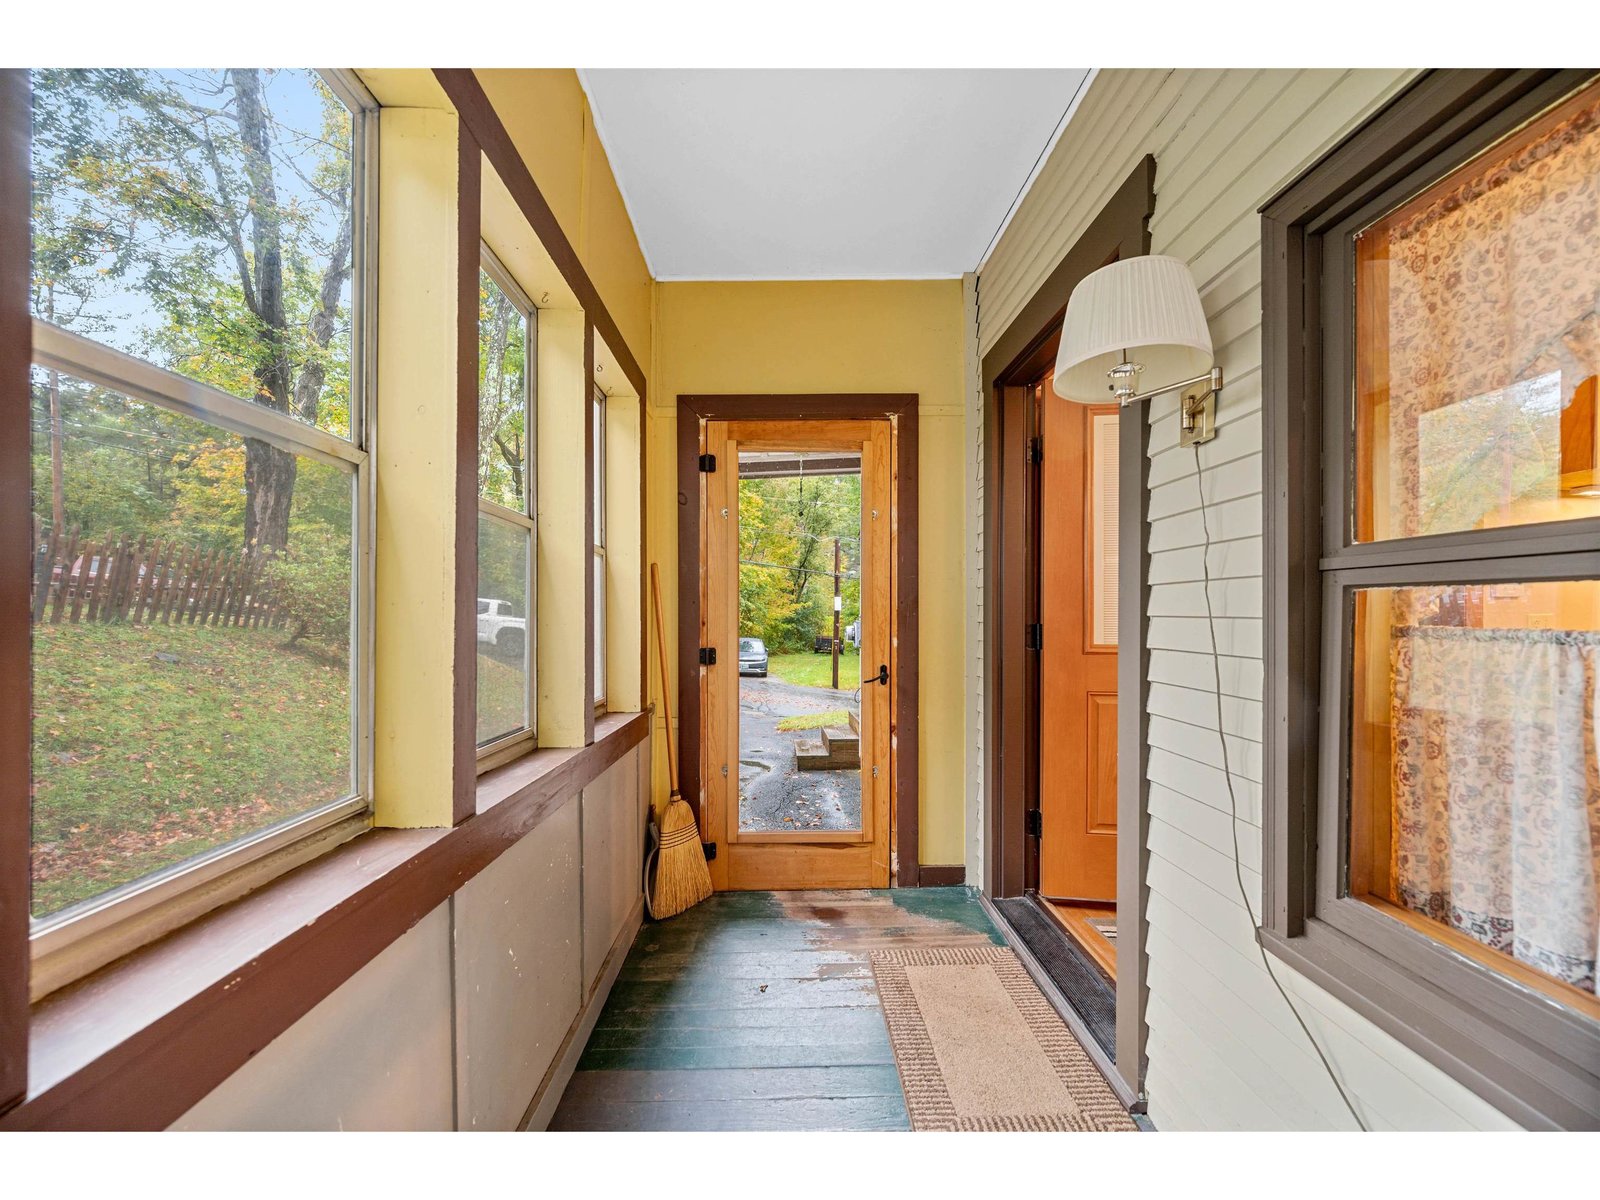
(214, 237)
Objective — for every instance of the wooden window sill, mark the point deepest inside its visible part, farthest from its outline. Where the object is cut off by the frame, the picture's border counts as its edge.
(139, 1042)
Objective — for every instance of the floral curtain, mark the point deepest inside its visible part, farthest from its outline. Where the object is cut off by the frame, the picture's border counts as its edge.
(1490, 283)
(1497, 789)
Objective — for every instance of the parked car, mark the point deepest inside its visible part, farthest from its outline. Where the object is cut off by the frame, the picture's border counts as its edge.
(752, 657)
(501, 629)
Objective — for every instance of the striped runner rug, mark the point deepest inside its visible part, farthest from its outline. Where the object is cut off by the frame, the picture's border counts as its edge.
(980, 1048)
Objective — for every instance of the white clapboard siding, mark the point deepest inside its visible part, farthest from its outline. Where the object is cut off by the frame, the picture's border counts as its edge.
(1225, 1051)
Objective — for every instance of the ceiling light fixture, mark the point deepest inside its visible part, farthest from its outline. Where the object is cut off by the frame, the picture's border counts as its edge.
(1135, 321)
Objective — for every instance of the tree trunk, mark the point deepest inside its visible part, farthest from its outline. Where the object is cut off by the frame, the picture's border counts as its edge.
(269, 472)
(58, 493)
(269, 475)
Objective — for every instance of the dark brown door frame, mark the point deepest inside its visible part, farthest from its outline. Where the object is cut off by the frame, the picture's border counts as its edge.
(1022, 354)
(901, 408)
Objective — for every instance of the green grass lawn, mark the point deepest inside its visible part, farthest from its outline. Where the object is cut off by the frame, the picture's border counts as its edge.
(153, 744)
(502, 697)
(834, 717)
(816, 670)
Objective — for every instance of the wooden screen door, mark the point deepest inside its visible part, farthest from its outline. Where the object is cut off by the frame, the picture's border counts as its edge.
(1078, 654)
(793, 804)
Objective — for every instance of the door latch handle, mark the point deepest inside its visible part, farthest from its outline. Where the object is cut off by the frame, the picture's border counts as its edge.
(882, 676)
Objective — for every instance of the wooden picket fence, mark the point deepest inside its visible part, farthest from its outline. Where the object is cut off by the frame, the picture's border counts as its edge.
(146, 580)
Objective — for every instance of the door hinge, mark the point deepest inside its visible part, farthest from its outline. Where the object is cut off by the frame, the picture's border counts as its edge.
(1033, 637)
(1033, 822)
(711, 850)
(1036, 450)
(708, 656)
(708, 463)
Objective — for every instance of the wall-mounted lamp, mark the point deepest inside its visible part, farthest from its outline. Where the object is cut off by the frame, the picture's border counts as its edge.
(1134, 325)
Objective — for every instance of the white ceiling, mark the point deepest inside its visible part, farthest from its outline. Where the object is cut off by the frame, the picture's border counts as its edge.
(823, 174)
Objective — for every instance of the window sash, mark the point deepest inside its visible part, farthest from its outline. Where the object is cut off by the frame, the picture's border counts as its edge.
(518, 742)
(110, 916)
(598, 565)
(511, 745)
(1339, 547)
(496, 270)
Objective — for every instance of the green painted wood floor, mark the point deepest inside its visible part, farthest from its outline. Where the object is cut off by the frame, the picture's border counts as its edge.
(758, 1010)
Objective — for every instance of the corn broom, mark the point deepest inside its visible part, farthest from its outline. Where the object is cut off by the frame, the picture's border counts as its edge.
(682, 878)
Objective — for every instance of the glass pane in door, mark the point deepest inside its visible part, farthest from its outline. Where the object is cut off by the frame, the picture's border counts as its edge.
(799, 642)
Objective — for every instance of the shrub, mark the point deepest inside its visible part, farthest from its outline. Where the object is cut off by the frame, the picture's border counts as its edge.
(312, 584)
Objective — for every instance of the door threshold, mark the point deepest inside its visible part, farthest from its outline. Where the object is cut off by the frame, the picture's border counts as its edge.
(1081, 983)
(1092, 928)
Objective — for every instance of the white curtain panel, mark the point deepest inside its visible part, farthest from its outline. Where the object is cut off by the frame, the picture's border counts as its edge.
(1497, 789)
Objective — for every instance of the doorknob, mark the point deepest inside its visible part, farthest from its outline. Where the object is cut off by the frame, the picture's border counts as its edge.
(882, 677)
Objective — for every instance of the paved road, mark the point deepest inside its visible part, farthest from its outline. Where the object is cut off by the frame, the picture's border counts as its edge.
(771, 787)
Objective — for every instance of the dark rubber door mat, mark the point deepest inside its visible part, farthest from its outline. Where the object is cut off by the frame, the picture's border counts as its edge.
(1080, 981)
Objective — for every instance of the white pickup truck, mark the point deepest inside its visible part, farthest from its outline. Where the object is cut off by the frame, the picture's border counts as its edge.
(504, 633)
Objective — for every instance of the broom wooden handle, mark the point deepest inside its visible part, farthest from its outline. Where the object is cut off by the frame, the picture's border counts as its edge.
(661, 655)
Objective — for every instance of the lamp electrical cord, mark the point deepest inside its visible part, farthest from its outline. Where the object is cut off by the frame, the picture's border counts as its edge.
(1233, 804)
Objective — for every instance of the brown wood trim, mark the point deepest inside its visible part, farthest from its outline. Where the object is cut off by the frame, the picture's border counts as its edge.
(137, 1044)
(1020, 356)
(902, 407)
(464, 765)
(942, 876)
(1023, 353)
(16, 554)
(477, 113)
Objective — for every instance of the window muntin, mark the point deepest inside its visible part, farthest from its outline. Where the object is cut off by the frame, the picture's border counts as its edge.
(1469, 757)
(598, 516)
(200, 479)
(507, 530)
(1478, 340)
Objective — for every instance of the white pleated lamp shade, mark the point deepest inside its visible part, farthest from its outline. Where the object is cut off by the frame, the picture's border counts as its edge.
(1146, 307)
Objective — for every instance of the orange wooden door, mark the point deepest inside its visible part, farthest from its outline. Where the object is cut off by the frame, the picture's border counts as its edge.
(1078, 656)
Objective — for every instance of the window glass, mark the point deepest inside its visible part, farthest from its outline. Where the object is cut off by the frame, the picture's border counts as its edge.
(598, 499)
(190, 687)
(1478, 340)
(503, 642)
(1475, 787)
(503, 450)
(599, 627)
(201, 220)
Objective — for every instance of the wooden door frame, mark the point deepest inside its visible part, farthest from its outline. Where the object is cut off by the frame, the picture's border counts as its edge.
(901, 408)
(1022, 353)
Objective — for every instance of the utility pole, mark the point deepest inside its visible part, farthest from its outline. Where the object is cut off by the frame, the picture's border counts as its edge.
(838, 607)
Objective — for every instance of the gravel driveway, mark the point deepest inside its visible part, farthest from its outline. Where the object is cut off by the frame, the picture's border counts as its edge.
(774, 793)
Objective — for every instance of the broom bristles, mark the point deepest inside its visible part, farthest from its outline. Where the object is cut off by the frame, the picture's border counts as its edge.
(682, 877)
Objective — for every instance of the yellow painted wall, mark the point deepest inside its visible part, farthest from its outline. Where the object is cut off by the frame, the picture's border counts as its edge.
(866, 336)
(548, 118)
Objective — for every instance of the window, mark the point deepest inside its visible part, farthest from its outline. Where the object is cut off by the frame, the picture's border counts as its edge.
(598, 517)
(507, 531)
(1435, 819)
(200, 478)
